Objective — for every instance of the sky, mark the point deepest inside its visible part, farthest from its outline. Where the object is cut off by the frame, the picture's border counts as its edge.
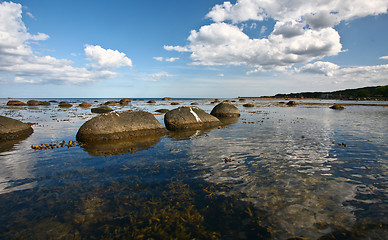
(190, 48)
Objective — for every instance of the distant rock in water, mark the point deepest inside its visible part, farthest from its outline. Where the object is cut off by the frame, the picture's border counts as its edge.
(33, 103)
(225, 109)
(337, 107)
(65, 104)
(151, 101)
(166, 98)
(163, 110)
(16, 103)
(188, 118)
(174, 103)
(194, 103)
(102, 109)
(85, 105)
(249, 105)
(37, 103)
(11, 129)
(291, 103)
(125, 101)
(118, 126)
(110, 103)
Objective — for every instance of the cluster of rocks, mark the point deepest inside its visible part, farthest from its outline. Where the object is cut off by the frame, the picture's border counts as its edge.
(127, 125)
(29, 103)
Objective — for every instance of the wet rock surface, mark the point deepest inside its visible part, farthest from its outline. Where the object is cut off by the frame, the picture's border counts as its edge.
(185, 118)
(12, 129)
(125, 101)
(65, 105)
(249, 105)
(117, 126)
(102, 109)
(291, 103)
(163, 110)
(16, 103)
(85, 105)
(225, 109)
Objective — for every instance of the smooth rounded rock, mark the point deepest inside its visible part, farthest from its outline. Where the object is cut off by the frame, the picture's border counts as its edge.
(225, 109)
(85, 105)
(188, 118)
(102, 109)
(249, 105)
(11, 129)
(125, 101)
(291, 103)
(166, 98)
(16, 103)
(33, 103)
(151, 101)
(117, 126)
(65, 105)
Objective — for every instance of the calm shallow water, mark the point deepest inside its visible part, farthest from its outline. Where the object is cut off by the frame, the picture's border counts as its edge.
(277, 172)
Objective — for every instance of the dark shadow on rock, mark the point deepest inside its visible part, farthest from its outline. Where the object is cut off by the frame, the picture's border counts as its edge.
(121, 147)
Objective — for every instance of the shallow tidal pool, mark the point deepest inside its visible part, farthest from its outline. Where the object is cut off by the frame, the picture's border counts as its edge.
(277, 172)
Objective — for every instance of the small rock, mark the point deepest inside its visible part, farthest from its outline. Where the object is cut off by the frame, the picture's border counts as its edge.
(65, 104)
(33, 103)
(110, 103)
(166, 98)
(291, 103)
(174, 103)
(151, 101)
(45, 103)
(188, 118)
(162, 110)
(249, 105)
(125, 101)
(102, 109)
(337, 107)
(194, 103)
(85, 105)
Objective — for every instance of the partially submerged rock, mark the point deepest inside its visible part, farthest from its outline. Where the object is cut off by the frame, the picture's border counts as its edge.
(249, 105)
(291, 103)
(225, 109)
(151, 101)
(33, 103)
(337, 107)
(125, 101)
(186, 118)
(174, 103)
(110, 103)
(65, 104)
(16, 103)
(11, 129)
(116, 126)
(163, 110)
(102, 109)
(166, 98)
(85, 105)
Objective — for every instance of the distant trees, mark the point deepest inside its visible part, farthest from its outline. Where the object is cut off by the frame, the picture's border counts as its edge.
(380, 92)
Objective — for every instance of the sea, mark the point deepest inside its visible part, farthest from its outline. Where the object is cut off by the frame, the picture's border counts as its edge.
(276, 172)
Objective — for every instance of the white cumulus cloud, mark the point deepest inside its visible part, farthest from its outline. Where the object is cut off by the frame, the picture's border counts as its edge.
(303, 32)
(326, 68)
(384, 57)
(161, 59)
(17, 58)
(106, 58)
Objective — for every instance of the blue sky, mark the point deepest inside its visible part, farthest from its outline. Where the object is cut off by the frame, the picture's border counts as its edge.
(191, 48)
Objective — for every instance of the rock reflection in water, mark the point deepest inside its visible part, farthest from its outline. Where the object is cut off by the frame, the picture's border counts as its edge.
(121, 147)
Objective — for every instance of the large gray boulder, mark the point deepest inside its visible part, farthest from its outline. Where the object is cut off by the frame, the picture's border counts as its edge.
(11, 129)
(225, 109)
(120, 126)
(188, 118)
